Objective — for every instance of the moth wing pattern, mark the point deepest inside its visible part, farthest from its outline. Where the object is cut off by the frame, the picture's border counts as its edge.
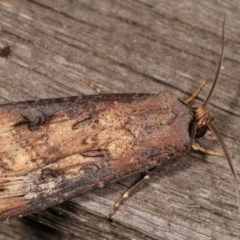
(53, 149)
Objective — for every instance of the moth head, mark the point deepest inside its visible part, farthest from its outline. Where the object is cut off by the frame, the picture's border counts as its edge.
(203, 121)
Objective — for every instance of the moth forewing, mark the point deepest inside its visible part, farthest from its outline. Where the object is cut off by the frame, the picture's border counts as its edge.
(54, 149)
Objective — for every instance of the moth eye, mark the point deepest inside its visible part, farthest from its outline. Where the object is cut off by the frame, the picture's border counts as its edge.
(201, 131)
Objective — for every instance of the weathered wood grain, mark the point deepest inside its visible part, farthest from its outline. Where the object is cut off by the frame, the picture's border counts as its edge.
(59, 47)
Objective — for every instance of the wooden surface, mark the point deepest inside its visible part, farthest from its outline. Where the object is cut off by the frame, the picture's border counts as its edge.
(63, 48)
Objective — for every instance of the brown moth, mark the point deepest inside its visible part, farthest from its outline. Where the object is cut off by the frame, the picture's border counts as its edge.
(54, 149)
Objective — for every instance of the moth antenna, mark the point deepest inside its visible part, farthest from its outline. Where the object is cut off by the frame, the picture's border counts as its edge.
(203, 118)
(220, 139)
(219, 65)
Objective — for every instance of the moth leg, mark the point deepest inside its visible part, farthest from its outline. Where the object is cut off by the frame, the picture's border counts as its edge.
(146, 176)
(197, 147)
(195, 93)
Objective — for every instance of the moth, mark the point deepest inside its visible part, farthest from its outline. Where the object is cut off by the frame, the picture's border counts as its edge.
(54, 149)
